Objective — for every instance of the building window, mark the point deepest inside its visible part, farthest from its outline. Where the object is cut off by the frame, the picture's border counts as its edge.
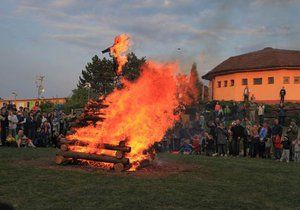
(225, 83)
(270, 80)
(232, 82)
(219, 84)
(286, 80)
(244, 81)
(297, 80)
(257, 81)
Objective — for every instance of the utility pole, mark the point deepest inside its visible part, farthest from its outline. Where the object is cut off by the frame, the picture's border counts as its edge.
(39, 82)
(15, 94)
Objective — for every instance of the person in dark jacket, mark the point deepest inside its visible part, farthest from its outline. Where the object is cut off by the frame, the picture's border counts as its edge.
(276, 129)
(4, 125)
(222, 136)
(282, 94)
(292, 133)
(31, 126)
(209, 144)
(281, 115)
(238, 133)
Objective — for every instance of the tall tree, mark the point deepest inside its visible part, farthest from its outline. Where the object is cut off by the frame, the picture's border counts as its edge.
(195, 83)
(131, 70)
(99, 79)
(100, 74)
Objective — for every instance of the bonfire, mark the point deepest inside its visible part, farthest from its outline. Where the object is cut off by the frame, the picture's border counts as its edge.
(137, 115)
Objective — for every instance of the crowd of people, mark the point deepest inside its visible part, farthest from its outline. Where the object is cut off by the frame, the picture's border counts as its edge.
(235, 130)
(218, 130)
(24, 127)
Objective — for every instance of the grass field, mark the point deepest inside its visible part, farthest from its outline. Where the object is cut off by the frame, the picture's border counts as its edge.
(30, 180)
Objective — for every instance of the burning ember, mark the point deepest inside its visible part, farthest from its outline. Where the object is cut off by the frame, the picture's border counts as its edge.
(137, 116)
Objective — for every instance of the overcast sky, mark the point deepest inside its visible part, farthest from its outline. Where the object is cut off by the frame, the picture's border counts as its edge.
(57, 38)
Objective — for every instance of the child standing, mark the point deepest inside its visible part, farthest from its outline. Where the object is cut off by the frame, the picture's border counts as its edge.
(285, 150)
(209, 144)
(297, 150)
(277, 147)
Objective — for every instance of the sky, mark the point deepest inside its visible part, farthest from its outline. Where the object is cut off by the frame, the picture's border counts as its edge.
(56, 38)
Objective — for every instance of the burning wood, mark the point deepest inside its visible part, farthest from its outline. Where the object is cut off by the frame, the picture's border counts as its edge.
(86, 156)
(65, 155)
(121, 147)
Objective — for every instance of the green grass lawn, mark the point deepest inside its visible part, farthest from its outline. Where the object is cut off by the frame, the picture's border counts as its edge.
(30, 180)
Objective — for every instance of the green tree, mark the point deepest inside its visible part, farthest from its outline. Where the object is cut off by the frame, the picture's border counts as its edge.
(131, 70)
(99, 78)
(195, 83)
(78, 99)
(100, 74)
(47, 106)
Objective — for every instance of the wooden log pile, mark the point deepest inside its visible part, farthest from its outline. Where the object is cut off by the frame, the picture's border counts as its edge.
(119, 160)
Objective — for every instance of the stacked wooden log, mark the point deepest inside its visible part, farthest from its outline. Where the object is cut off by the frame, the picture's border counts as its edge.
(119, 160)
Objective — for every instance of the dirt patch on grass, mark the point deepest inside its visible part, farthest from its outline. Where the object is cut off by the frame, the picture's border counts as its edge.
(160, 167)
(164, 168)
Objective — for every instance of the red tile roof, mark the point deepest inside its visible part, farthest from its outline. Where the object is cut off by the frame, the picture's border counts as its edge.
(265, 59)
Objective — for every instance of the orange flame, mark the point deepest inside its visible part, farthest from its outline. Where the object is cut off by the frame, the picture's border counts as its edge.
(120, 46)
(141, 112)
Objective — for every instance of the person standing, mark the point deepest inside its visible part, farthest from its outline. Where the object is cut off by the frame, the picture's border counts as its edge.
(46, 133)
(222, 135)
(217, 109)
(262, 140)
(285, 150)
(296, 144)
(31, 126)
(21, 120)
(277, 147)
(252, 112)
(276, 133)
(246, 94)
(234, 111)
(281, 115)
(12, 123)
(238, 133)
(227, 113)
(254, 141)
(282, 94)
(292, 134)
(4, 125)
(261, 113)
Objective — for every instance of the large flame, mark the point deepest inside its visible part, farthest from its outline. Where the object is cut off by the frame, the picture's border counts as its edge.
(141, 112)
(120, 46)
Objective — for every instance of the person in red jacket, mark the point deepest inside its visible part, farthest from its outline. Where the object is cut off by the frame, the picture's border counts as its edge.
(196, 144)
(277, 147)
